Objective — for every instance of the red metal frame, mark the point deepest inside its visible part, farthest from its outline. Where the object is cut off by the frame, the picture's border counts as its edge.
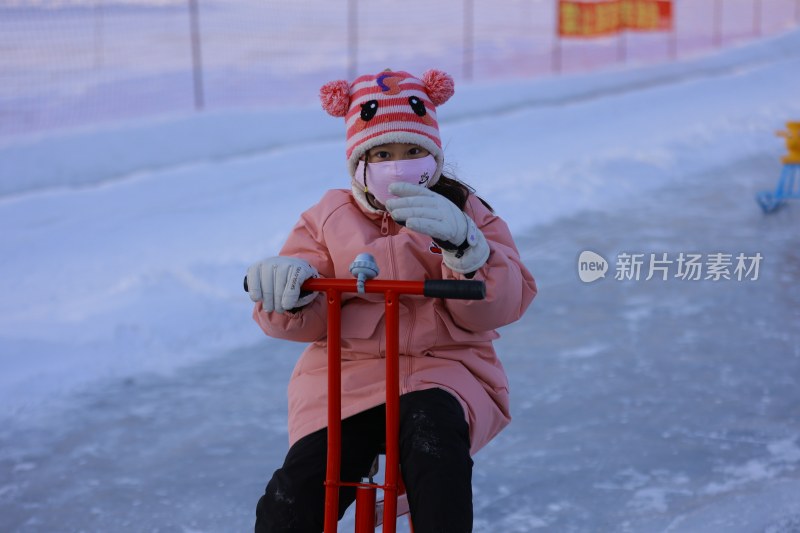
(365, 493)
(393, 484)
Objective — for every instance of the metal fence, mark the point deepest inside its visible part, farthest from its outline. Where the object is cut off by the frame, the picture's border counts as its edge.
(70, 63)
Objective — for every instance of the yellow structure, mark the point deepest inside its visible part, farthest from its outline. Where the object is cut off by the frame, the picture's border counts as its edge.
(792, 136)
(789, 182)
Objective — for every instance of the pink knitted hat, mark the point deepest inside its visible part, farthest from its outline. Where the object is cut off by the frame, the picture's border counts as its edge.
(389, 107)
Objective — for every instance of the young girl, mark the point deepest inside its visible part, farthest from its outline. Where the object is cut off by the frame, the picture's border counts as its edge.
(418, 224)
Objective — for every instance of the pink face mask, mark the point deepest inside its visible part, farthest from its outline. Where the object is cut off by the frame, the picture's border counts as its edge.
(381, 175)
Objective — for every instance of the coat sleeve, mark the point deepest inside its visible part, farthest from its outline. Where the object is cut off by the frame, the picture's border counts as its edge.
(306, 241)
(510, 287)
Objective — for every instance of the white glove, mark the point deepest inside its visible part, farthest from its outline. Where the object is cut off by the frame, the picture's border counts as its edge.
(428, 212)
(276, 283)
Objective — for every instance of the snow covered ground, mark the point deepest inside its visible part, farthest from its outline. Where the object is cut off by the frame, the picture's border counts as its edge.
(138, 395)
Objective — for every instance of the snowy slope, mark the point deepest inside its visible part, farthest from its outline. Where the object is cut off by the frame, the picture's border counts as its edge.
(123, 252)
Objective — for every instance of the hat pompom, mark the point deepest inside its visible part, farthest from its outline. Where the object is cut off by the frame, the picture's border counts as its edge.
(439, 86)
(335, 97)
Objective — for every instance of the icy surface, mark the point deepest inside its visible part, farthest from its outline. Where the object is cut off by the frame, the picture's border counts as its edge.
(138, 395)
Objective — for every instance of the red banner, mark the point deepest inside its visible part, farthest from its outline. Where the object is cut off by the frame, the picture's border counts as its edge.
(582, 18)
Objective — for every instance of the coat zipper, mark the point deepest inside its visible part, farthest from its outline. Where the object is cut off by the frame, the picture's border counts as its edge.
(385, 224)
(386, 232)
(390, 254)
(404, 385)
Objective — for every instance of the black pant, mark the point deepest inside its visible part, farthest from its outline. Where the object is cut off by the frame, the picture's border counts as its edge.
(434, 458)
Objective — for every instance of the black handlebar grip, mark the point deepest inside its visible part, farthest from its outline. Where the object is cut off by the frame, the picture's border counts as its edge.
(455, 289)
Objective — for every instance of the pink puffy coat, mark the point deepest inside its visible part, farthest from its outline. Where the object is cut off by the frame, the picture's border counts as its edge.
(443, 343)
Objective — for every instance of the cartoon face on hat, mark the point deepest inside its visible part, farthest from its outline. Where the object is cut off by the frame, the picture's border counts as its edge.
(390, 107)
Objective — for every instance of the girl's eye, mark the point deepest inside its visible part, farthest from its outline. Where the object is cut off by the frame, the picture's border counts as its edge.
(382, 155)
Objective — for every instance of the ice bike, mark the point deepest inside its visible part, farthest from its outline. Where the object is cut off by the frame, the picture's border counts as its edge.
(370, 513)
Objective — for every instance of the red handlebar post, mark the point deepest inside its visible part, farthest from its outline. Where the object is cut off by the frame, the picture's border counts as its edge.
(332, 475)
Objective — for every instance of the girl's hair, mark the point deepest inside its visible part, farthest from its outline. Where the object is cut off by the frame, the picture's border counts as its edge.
(456, 191)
